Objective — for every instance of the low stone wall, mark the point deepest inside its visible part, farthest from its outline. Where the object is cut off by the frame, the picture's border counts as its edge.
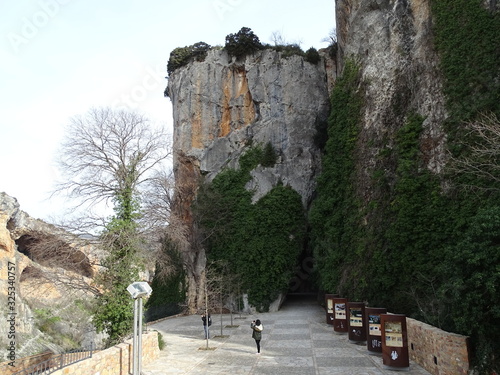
(437, 351)
(116, 360)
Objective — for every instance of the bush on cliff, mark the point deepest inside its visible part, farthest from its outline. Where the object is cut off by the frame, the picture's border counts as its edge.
(243, 43)
(182, 56)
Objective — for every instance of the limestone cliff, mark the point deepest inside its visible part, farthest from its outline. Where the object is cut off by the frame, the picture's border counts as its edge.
(392, 42)
(41, 287)
(222, 106)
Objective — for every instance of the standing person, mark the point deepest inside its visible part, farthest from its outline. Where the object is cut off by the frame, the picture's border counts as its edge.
(257, 328)
(206, 323)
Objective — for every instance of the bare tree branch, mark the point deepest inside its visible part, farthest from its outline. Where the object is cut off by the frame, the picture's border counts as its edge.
(481, 158)
(106, 151)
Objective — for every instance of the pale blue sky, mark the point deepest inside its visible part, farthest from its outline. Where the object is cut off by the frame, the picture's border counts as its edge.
(58, 58)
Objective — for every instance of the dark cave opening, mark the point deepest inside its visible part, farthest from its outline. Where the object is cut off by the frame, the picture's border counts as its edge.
(51, 251)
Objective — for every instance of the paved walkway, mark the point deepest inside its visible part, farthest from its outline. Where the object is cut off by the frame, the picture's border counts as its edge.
(296, 341)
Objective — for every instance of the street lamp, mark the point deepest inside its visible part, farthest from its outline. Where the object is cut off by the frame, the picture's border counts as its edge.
(138, 290)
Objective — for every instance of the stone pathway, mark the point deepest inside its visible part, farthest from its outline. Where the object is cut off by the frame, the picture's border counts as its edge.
(296, 341)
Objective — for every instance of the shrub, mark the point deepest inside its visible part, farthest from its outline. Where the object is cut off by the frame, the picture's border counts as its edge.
(289, 50)
(312, 56)
(182, 56)
(161, 341)
(243, 43)
(269, 156)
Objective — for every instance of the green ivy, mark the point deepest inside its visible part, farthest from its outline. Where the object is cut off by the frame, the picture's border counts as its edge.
(334, 216)
(261, 241)
(114, 308)
(169, 291)
(473, 284)
(467, 37)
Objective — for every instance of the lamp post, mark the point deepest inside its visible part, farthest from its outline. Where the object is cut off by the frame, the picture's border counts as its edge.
(138, 290)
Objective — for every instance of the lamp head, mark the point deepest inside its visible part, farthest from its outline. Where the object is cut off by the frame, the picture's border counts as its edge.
(139, 289)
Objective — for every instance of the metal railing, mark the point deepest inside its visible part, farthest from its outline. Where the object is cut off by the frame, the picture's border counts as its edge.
(57, 362)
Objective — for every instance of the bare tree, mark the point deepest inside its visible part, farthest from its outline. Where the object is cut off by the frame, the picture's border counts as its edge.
(481, 158)
(159, 200)
(211, 292)
(331, 38)
(110, 156)
(108, 151)
(278, 39)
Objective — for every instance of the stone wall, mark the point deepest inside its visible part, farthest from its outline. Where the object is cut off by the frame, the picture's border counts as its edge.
(437, 351)
(116, 360)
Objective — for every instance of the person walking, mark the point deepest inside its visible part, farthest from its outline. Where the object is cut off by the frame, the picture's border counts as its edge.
(206, 324)
(257, 328)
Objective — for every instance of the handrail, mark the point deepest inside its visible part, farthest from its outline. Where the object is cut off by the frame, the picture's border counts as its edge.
(57, 362)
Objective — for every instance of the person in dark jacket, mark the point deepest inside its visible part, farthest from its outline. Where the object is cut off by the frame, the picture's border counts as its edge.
(206, 324)
(257, 328)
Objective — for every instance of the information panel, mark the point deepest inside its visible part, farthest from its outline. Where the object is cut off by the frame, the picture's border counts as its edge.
(394, 341)
(374, 329)
(340, 319)
(357, 330)
(330, 314)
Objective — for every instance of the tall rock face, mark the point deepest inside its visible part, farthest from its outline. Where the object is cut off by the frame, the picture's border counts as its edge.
(222, 106)
(392, 42)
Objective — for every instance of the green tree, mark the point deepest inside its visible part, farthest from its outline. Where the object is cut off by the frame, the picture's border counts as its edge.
(312, 55)
(243, 43)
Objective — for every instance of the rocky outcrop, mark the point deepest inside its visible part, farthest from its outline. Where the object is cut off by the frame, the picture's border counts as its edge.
(221, 106)
(42, 285)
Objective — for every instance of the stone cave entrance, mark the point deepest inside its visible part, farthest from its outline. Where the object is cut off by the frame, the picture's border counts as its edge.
(302, 281)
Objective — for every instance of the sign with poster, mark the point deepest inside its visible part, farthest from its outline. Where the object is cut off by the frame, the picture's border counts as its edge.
(340, 311)
(393, 334)
(340, 320)
(374, 329)
(357, 331)
(329, 308)
(374, 325)
(394, 341)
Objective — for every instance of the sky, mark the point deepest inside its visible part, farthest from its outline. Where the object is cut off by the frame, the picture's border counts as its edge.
(59, 58)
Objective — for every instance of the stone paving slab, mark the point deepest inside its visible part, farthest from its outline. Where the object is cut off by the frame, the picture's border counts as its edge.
(296, 341)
